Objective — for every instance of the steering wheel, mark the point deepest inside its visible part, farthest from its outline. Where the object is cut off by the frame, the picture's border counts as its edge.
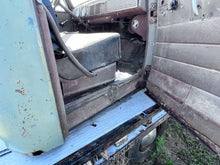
(56, 3)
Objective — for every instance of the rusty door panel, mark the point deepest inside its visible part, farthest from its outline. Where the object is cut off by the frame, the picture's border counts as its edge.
(196, 54)
(206, 79)
(185, 73)
(173, 87)
(199, 110)
(166, 17)
(184, 12)
(198, 32)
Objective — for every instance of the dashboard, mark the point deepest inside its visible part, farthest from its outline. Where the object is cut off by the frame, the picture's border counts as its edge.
(107, 11)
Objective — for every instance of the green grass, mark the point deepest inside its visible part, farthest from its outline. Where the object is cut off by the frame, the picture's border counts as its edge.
(178, 146)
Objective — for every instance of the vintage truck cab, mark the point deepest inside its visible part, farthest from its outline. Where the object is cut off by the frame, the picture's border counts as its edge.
(86, 81)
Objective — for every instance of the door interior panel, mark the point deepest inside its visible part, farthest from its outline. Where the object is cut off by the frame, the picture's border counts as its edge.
(185, 72)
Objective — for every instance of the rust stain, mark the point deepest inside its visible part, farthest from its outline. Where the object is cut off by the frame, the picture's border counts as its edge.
(21, 91)
(11, 69)
(19, 81)
(43, 80)
(24, 132)
(19, 110)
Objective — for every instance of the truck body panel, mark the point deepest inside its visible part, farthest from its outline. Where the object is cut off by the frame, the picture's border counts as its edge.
(25, 84)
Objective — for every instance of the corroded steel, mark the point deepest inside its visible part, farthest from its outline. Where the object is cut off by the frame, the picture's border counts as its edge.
(29, 121)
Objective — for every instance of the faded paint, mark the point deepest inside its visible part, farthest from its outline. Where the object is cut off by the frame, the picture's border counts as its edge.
(185, 72)
(28, 113)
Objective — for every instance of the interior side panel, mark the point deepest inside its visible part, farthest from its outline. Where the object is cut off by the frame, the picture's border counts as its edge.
(185, 73)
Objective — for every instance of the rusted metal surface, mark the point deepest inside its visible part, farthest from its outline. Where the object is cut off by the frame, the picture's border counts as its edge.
(114, 135)
(139, 26)
(51, 63)
(118, 154)
(89, 105)
(184, 12)
(195, 32)
(196, 54)
(29, 121)
(103, 75)
(185, 72)
(111, 17)
(151, 32)
(206, 79)
(197, 108)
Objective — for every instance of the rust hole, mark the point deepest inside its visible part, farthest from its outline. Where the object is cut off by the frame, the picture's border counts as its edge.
(37, 153)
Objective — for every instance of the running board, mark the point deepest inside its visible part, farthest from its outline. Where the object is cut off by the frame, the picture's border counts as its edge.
(89, 131)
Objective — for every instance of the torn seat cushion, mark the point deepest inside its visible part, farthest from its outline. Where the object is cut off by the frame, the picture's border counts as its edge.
(93, 51)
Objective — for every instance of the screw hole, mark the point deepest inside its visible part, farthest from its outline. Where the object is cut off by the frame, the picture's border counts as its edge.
(152, 13)
(94, 125)
(199, 7)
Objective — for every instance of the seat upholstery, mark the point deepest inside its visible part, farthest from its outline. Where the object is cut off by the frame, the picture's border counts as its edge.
(93, 51)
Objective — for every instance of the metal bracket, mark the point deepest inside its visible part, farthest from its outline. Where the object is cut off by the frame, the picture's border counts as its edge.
(153, 13)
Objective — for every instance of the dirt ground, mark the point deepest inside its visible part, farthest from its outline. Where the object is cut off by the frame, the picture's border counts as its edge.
(177, 146)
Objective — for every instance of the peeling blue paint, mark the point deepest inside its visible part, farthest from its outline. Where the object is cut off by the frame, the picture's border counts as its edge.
(30, 21)
(23, 107)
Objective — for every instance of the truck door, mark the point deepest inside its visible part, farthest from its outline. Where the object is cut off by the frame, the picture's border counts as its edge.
(185, 74)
